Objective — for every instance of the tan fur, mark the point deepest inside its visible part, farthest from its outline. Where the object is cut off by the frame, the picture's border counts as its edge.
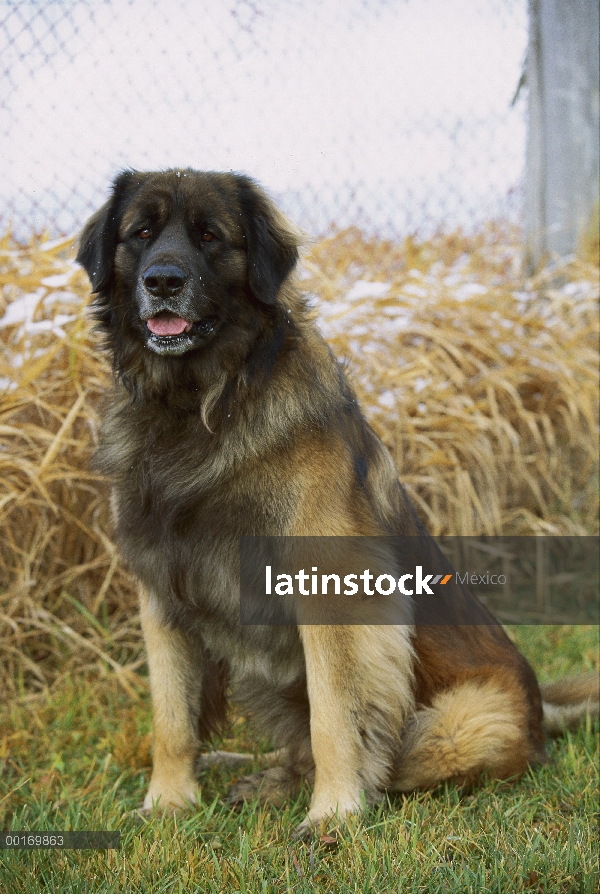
(175, 744)
(349, 668)
(467, 731)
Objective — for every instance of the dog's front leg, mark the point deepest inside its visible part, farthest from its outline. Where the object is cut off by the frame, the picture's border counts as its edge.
(359, 682)
(175, 683)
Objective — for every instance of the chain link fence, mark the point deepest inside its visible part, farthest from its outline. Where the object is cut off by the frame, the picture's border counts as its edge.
(392, 115)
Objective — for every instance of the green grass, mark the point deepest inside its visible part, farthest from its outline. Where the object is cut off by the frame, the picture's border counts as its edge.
(79, 758)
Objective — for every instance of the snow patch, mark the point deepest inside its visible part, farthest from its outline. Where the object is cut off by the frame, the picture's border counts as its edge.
(57, 280)
(22, 309)
(364, 289)
(468, 290)
(387, 399)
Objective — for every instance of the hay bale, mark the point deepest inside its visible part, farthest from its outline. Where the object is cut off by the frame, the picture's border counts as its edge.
(64, 599)
(483, 385)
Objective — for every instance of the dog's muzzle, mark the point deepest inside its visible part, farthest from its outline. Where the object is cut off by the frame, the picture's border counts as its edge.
(172, 329)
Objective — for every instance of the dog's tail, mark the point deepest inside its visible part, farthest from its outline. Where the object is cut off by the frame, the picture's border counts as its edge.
(566, 702)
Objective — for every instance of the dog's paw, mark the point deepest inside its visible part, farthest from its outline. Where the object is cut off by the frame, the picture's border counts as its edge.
(165, 800)
(274, 786)
(305, 831)
(323, 833)
(329, 812)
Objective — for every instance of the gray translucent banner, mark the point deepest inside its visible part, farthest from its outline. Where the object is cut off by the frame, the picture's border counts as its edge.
(27, 841)
(422, 580)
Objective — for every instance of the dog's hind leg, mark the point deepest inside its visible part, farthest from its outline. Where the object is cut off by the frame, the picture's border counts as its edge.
(473, 728)
(274, 786)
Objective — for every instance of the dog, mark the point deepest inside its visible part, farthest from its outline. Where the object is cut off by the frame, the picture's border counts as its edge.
(230, 418)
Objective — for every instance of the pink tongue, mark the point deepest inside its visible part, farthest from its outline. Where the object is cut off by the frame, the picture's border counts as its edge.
(168, 324)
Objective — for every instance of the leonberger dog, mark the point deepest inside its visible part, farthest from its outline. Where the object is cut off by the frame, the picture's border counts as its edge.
(229, 418)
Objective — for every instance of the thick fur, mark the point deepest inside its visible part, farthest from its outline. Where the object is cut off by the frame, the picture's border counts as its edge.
(253, 430)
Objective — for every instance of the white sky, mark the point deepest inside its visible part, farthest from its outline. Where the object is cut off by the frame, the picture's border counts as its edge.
(405, 103)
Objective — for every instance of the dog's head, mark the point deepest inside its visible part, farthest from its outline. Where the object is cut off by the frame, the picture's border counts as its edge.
(177, 257)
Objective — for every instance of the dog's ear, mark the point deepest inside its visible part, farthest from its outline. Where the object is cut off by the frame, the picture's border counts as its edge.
(98, 240)
(271, 240)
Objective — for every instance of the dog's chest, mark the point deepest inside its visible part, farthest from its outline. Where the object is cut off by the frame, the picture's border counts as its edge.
(271, 654)
(180, 511)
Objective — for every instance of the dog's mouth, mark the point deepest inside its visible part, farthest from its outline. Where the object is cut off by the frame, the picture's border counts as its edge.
(172, 334)
(167, 324)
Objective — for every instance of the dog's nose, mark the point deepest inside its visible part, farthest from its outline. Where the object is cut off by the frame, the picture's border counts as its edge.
(164, 280)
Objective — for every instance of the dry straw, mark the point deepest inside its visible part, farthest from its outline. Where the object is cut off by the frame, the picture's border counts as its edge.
(483, 385)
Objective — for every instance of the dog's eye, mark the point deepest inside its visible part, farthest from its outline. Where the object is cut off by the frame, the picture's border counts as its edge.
(207, 236)
(144, 233)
